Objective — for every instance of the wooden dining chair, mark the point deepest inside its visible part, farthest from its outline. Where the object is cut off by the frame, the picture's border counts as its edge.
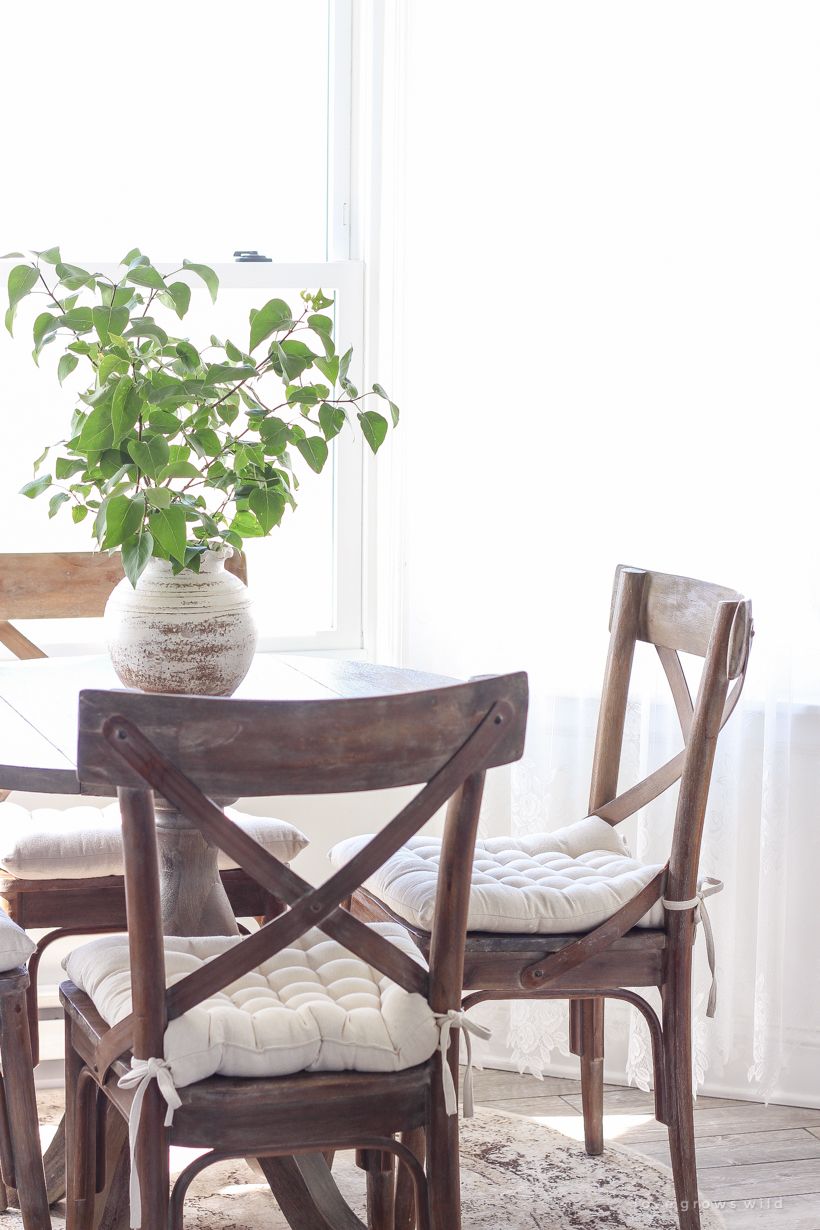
(191, 749)
(22, 1182)
(68, 586)
(588, 965)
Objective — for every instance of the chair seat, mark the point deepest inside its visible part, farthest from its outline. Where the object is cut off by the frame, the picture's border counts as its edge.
(312, 1007)
(82, 843)
(569, 881)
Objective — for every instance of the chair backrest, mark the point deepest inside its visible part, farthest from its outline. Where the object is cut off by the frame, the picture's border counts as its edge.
(64, 585)
(676, 615)
(187, 748)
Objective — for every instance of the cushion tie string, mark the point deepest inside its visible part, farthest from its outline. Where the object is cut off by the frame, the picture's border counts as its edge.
(143, 1071)
(706, 887)
(446, 1022)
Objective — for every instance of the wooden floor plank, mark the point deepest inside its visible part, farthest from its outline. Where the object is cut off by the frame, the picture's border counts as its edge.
(786, 1213)
(491, 1084)
(551, 1106)
(739, 1150)
(735, 1118)
(764, 1180)
(628, 1101)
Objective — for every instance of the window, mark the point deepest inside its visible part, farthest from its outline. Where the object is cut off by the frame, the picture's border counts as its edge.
(207, 140)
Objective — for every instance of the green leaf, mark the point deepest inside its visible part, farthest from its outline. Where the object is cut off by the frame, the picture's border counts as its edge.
(98, 432)
(164, 421)
(292, 365)
(168, 528)
(79, 513)
(331, 420)
(271, 318)
(136, 553)
(126, 408)
(151, 453)
(44, 326)
(51, 256)
(189, 356)
(275, 436)
(159, 497)
(394, 410)
(232, 352)
(79, 320)
(374, 428)
(244, 523)
(248, 454)
(178, 469)
(205, 442)
(146, 275)
(22, 280)
(55, 502)
(132, 255)
(328, 368)
(345, 363)
(144, 326)
(208, 277)
(66, 466)
(42, 458)
(222, 373)
(74, 278)
(10, 256)
(66, 366)
(268, 504)
(109, 320)
(314, 451)
(177, 297)
(36, 487)
(306, 396)
(123, 519)
(227, 412)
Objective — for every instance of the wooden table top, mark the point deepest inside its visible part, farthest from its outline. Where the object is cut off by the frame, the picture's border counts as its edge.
(39, 702)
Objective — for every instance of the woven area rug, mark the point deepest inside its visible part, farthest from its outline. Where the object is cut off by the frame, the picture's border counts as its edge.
(516, 1174)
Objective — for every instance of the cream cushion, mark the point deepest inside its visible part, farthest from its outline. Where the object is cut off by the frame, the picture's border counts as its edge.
(15, 945)
(312, 1007)
(549, 884)
(81, 842)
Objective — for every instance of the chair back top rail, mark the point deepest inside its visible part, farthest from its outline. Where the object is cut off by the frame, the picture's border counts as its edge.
(675, 612)
(248, 747)
(67, 585)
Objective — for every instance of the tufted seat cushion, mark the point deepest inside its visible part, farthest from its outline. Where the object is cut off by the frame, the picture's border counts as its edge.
(568, 881)
(82, 842)
(312, 1007)
(15, 946)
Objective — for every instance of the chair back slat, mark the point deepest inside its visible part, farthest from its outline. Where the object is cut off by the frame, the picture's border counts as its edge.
(629, 583)
(244, 748)
(48, 585)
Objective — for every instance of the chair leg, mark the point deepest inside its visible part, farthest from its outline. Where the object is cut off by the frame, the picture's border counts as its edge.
(405, 1217)
(18, 1080)
(378, 1165)
(587, 1041)
(153, 1161)
(443, 1180)
(677, 1045)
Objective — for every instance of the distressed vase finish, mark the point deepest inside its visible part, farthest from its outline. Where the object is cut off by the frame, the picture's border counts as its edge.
(192, 633)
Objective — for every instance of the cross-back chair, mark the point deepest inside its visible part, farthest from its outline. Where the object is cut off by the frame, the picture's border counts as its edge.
(189, 748)
(676, 615)
(67, 586)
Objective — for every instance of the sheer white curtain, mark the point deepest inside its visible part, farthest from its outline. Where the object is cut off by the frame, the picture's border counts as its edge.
(607, 269)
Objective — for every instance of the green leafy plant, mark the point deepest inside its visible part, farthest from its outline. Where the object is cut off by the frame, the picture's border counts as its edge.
(175, 449)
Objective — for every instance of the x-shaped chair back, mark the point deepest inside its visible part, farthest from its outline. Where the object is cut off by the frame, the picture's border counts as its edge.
(676, 615)
(190, 749)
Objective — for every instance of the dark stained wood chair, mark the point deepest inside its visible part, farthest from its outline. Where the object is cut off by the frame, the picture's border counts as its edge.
(21, 1163)
(185, 748)
(66, 586)
(675, 614)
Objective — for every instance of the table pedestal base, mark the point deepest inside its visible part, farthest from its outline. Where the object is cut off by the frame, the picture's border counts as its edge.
(193, 899)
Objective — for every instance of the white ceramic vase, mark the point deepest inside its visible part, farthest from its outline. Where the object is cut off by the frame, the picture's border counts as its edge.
(192, 633)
